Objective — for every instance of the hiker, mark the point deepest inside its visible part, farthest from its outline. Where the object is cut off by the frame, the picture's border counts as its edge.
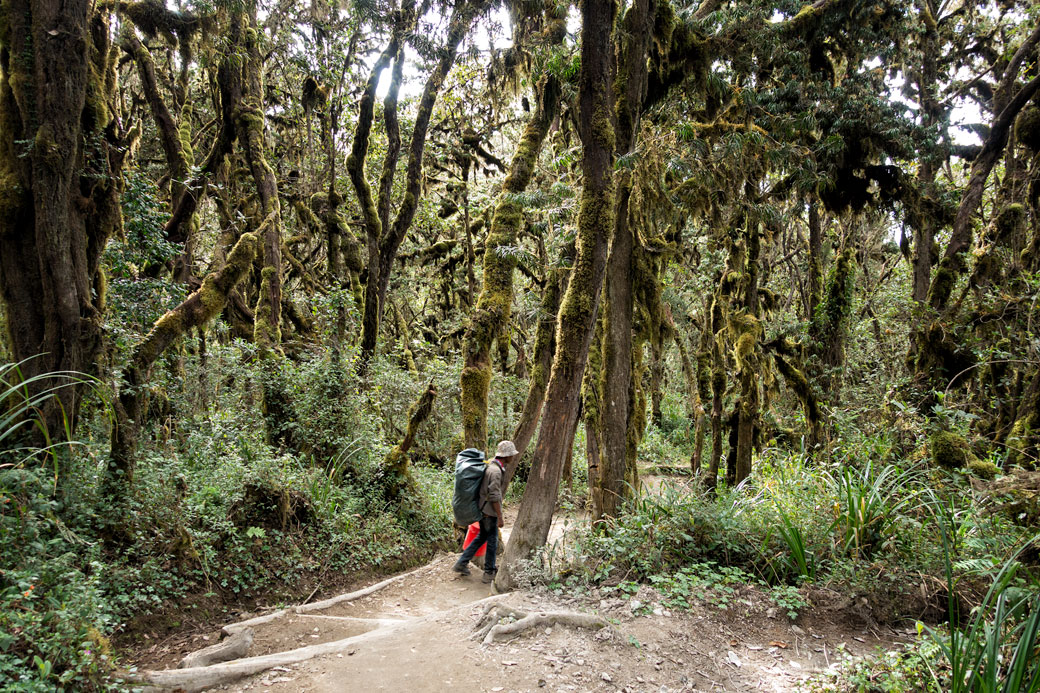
(489, 499)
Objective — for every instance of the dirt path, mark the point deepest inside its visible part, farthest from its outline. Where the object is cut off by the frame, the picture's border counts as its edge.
(415, 634)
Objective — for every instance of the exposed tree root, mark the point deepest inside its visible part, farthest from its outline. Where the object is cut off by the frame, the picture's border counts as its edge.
(234, 647)
(489, 628)
(201, 678)
(233, 628)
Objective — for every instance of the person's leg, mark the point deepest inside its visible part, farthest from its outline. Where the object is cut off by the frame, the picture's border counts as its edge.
(492, 543)
(471, 550)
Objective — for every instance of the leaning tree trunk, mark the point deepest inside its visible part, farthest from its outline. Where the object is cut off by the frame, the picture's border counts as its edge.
(398, 482)
(494, 306)
(578, 310)
(196, 310)
(59, 197)
(541, 364)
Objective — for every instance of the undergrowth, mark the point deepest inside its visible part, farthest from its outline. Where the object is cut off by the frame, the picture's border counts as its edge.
(220, 514)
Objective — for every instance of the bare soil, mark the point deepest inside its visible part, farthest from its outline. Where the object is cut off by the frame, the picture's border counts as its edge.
(420, 627)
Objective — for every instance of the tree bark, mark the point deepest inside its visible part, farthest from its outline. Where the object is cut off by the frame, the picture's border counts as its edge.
(580, 303)
(59, 197)
(541, 364)
(617, 373)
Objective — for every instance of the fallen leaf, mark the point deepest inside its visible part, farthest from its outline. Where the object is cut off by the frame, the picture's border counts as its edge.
(734, 659)
(778, 643)
(506, 663)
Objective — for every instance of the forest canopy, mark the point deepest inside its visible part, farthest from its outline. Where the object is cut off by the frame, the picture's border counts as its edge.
(267, 267)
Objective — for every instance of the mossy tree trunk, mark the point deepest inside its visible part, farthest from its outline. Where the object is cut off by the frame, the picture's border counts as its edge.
(397, 475)
(581, 301)
(748, 334)
(541, 365)
(616, 375)
(591, 401)
(829, 324)
(251, 124)
(491, 315)
(62, 151)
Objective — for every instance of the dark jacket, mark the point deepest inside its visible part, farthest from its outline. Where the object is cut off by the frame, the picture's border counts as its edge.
(491, 487)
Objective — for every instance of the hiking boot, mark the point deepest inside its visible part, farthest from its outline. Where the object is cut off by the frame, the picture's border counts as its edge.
(488, 577)
(460, 568)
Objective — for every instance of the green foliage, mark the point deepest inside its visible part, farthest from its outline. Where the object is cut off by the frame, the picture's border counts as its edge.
(136, 295)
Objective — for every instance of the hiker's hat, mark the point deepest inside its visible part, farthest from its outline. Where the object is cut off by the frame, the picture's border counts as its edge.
(506, 449)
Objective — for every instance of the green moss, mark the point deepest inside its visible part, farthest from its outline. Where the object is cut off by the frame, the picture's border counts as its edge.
(983, 469)
(266, 334)
(184, 133)
(950, 450)
(475, 382)
(743, 350)
(1027, 128)
(1008, 223)
(12, 194)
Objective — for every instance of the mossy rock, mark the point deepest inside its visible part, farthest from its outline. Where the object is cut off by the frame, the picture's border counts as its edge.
(950, 450)
(983, 469)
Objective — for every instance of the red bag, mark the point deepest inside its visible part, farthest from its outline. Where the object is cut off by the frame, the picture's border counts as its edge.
(471, 535)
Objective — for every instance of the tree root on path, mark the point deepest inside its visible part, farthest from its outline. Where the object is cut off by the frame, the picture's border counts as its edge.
(195, 679)
(489, 628)
(232, 628)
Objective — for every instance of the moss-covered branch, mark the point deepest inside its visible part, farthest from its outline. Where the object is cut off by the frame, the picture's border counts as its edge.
(397, 476)
(196, 310)
(494, 305)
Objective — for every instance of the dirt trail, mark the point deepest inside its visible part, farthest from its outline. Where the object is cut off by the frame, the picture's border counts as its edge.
(415, 634)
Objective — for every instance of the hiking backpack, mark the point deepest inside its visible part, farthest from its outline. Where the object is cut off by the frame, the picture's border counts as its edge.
(469, 472)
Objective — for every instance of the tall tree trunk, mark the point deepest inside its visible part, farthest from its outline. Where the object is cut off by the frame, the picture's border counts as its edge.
(251, 124)
(616, 376)
(747, 348)
(580, 303)
(59, 198)
(494, 305)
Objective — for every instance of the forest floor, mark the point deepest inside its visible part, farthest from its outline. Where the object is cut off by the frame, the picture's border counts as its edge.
(416, 634)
